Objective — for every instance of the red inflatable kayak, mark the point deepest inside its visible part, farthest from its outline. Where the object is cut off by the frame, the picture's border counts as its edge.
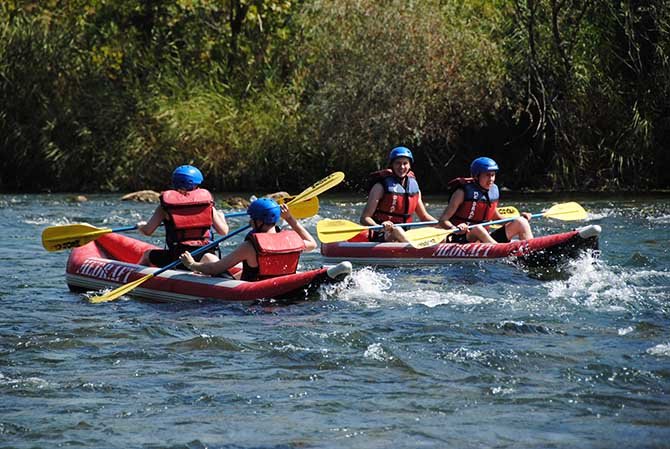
(109, 262)
(540, 251)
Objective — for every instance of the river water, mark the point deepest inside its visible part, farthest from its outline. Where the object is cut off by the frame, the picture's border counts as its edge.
(464, 356)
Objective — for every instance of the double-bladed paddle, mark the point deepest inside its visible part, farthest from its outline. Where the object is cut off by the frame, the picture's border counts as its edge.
(330, 231)
(311, 192)
(421, 238)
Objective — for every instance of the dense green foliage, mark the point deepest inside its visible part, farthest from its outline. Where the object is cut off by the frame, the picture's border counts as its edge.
(271, 94)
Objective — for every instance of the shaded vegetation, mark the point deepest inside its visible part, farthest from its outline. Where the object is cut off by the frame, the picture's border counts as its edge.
(270, 94)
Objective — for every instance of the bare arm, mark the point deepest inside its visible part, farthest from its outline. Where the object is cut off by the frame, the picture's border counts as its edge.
(454, 203)
(148, 228)
(310, 243)
(496, 215)
(374, 197)
(219, 222)
(244, 252)
(421, 211)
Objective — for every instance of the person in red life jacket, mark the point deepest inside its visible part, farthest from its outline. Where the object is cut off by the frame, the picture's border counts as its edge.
(266, 251)
(394, 198)
(475, 200)
(188, 213)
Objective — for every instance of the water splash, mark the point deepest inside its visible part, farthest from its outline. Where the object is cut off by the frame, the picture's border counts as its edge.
(432, 298)
(597, 286)
(597, 216)
(366, 286)
(122, 220)
(28, 383)
(663, 219)
(376, 352)
(660, 350)
(48, 221)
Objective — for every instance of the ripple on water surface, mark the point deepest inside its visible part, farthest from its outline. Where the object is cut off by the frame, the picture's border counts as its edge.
(465, 355)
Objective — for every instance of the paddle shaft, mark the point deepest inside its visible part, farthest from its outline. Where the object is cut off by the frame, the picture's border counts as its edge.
(202, 249)
(402, 225)
(432, 222)
(123, 228)
(502, 220)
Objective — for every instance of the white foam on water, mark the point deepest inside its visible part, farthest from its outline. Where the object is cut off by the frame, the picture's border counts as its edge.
(354, 204)
(432, 298)
(375, 351)
(291, 348)
(663, 219)
(370, 287)
(365, 286)
(464, 354)
(311, 221)
(625, 330)
(42, 221)
(502, 391)
(126, 220)
(29, 382)
(595, 285)
(660, 350)
(592, 216)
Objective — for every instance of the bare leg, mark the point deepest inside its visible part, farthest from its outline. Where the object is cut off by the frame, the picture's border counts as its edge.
(520, 228)
(397, 235)
(209, 257)
(144, 260)
(479, 233)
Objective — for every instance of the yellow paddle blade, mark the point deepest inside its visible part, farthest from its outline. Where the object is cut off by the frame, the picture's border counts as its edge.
(566, 211)
(424, 237)
(508, 211)
(302, 209)
(318, 187)
(120, 291)
(56, 238)
(330, 231)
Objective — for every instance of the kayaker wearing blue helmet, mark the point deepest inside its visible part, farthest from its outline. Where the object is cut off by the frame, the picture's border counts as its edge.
(188, 213)
(394, 198)
(267, 251)
(475, 200)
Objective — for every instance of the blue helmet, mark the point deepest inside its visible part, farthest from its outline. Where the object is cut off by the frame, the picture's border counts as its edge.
(186, 177)
(483, 165)
(401, 152)
(264, 209)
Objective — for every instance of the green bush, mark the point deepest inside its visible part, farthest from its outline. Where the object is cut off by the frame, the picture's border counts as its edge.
(61, 118)
(381, 74)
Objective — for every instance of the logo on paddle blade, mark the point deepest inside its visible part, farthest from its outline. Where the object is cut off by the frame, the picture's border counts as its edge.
(67, 245)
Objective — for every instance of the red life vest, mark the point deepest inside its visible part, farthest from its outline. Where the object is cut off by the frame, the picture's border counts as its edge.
(478, 205)
(277, 253)
(398, 202)
(189, 217)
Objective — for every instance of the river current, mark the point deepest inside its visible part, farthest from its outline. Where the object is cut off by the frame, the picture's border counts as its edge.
(474, 355)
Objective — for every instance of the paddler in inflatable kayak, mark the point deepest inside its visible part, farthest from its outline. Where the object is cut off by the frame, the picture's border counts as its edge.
(394, 198)
(187, 211)
(267, 251)
(475, 200)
